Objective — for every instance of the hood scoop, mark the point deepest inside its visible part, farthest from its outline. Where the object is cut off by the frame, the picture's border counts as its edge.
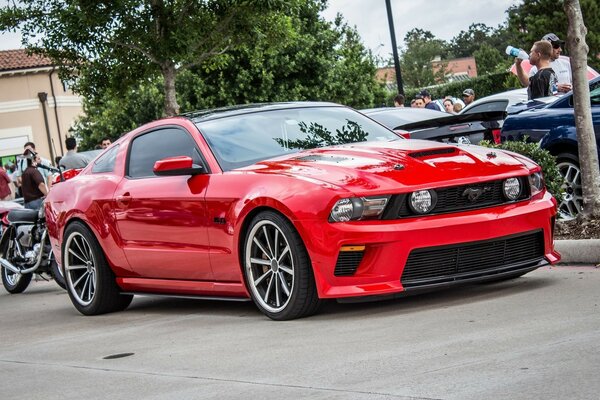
(433, 152)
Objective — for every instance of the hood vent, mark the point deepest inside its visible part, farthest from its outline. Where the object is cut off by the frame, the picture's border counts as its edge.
(433, 152)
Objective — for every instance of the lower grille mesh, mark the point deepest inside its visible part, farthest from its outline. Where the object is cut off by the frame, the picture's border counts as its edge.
(448, 263)
(348, 262)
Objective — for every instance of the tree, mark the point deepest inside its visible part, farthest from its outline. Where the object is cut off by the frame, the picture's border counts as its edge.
(467, 42)
(422, 48)
(113, 45)
(532, 19)
(490, 60)
(314, 60)
(588, 156)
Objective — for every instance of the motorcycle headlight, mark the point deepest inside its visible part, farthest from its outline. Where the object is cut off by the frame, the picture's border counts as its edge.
(512, 188)
(422, 201)
(357, 208)
(536, 183)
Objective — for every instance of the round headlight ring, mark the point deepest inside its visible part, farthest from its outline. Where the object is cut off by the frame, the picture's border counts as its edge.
(342, 211)
(422, 201)
(512, 188)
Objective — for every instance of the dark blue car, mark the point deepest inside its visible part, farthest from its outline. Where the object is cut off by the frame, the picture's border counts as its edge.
(553, 125)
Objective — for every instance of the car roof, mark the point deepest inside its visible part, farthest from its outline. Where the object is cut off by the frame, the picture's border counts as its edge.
(222, 112)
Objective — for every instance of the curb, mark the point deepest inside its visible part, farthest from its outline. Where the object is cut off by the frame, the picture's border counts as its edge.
(585, 251)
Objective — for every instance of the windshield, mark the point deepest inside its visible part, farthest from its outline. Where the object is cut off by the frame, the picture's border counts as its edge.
(242, 140)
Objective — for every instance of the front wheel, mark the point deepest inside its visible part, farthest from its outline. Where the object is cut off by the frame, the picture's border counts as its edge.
(277, 269)
(57, 274)
(90, 281)
(572, 199)
(15, 283)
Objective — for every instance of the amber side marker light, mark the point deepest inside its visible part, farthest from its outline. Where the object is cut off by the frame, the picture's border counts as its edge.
(352, 248)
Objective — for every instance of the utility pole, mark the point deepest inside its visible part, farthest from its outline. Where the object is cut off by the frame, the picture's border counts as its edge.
(394, 48)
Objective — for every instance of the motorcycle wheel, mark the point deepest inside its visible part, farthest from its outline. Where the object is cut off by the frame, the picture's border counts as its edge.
(57, 274)
(15, 283)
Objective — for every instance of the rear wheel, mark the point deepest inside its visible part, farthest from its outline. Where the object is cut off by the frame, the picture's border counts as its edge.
(572, 200)
(277, 269)
(90, 281)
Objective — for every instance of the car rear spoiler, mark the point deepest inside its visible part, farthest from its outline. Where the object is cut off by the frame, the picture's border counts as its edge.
(454, 119)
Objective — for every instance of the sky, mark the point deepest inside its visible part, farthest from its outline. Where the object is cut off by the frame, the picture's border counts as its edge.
(444, 18)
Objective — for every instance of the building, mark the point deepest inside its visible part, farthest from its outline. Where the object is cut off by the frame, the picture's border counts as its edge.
(35, 105)
(457, 69)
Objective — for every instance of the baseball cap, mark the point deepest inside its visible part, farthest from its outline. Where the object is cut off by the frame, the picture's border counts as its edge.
(552, 38)
(468, 92)
(425, 93)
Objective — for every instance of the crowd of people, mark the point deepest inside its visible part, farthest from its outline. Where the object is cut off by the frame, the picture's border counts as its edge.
(450, 104)
(549, 75)
(32, 175)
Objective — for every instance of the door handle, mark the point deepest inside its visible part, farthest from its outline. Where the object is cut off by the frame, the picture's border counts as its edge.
(124, 199)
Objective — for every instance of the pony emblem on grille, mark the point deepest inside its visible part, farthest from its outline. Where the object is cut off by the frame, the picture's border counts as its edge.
(472, 194)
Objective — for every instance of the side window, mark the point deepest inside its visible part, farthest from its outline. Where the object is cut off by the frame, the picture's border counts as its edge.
(150, 147)
(106, 162)
(595, 94)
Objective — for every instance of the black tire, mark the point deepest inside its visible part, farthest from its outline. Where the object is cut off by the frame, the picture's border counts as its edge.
(277, 269)
(572, 202)
(57, 274)
(90, 282)
(15, 283)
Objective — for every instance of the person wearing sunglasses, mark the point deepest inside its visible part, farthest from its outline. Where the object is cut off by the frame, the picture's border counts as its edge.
(561, 67)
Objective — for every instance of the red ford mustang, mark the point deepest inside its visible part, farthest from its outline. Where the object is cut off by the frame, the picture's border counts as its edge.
(289, 204)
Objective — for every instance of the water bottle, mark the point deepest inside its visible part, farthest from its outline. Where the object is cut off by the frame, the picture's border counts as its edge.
(516, 52)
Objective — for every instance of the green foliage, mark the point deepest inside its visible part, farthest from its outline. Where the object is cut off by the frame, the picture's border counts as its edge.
(421, 48)
(314, 60)
(543, 158)
(482, 85)
(489, 60)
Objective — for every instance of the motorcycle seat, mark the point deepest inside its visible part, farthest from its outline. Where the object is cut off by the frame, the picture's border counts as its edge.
(22, 216)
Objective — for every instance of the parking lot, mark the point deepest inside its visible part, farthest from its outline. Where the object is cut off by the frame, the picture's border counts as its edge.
(531, 338)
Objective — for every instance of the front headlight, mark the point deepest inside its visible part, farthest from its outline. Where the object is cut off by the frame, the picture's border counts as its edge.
(512, 188)
(536, 183)
(422, 201)
(357, 208)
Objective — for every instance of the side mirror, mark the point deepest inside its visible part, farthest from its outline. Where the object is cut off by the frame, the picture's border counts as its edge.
(174, 166)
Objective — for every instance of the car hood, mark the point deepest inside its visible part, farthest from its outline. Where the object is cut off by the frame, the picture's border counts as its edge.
(385, 166)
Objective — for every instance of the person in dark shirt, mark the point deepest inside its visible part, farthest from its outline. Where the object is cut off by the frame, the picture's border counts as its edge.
(32, 184)
(544, 83)
(432, 105)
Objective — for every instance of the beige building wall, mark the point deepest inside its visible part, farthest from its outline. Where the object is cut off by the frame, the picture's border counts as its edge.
(22, 112)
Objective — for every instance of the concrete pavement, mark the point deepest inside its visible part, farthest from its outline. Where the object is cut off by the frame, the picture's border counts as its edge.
(579, 251)
(535, 337)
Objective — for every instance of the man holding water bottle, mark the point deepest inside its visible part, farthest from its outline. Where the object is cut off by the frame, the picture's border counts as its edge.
(561, 67)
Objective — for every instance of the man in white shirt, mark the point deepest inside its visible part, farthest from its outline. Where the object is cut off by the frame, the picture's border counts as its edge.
(561, 67)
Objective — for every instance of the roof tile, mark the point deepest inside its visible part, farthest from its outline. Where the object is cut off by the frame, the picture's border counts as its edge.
(19, 59)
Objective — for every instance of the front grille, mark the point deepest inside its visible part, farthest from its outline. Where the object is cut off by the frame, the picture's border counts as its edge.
(348, 262)
(455, 198)
(461, 261)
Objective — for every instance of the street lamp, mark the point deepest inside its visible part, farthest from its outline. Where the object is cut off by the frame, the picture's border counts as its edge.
(394, 48)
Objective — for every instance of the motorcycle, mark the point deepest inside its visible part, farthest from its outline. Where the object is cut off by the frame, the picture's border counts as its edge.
(25, 248)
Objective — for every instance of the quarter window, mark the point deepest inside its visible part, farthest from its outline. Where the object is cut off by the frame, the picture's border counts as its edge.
(153, 146)
(106, 162)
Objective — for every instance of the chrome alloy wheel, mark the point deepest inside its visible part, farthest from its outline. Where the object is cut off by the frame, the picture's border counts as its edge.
(80, 269)
(269, 266)
(12, 278)
(572, 201)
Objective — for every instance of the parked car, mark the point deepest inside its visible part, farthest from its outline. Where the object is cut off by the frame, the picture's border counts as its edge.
(553, 126)
(418, 123)
(290, 204)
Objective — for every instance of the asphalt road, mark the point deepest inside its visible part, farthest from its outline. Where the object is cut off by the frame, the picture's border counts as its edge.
(536, 337)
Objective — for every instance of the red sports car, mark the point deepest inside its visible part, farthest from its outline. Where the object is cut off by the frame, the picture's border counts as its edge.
(289, 204)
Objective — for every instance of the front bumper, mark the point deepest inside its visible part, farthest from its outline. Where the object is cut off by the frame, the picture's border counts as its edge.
(389, 244)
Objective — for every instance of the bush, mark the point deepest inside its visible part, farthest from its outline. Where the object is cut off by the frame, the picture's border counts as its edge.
(543, 158)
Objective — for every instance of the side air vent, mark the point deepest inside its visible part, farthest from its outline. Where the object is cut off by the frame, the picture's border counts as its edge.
(348, 262)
